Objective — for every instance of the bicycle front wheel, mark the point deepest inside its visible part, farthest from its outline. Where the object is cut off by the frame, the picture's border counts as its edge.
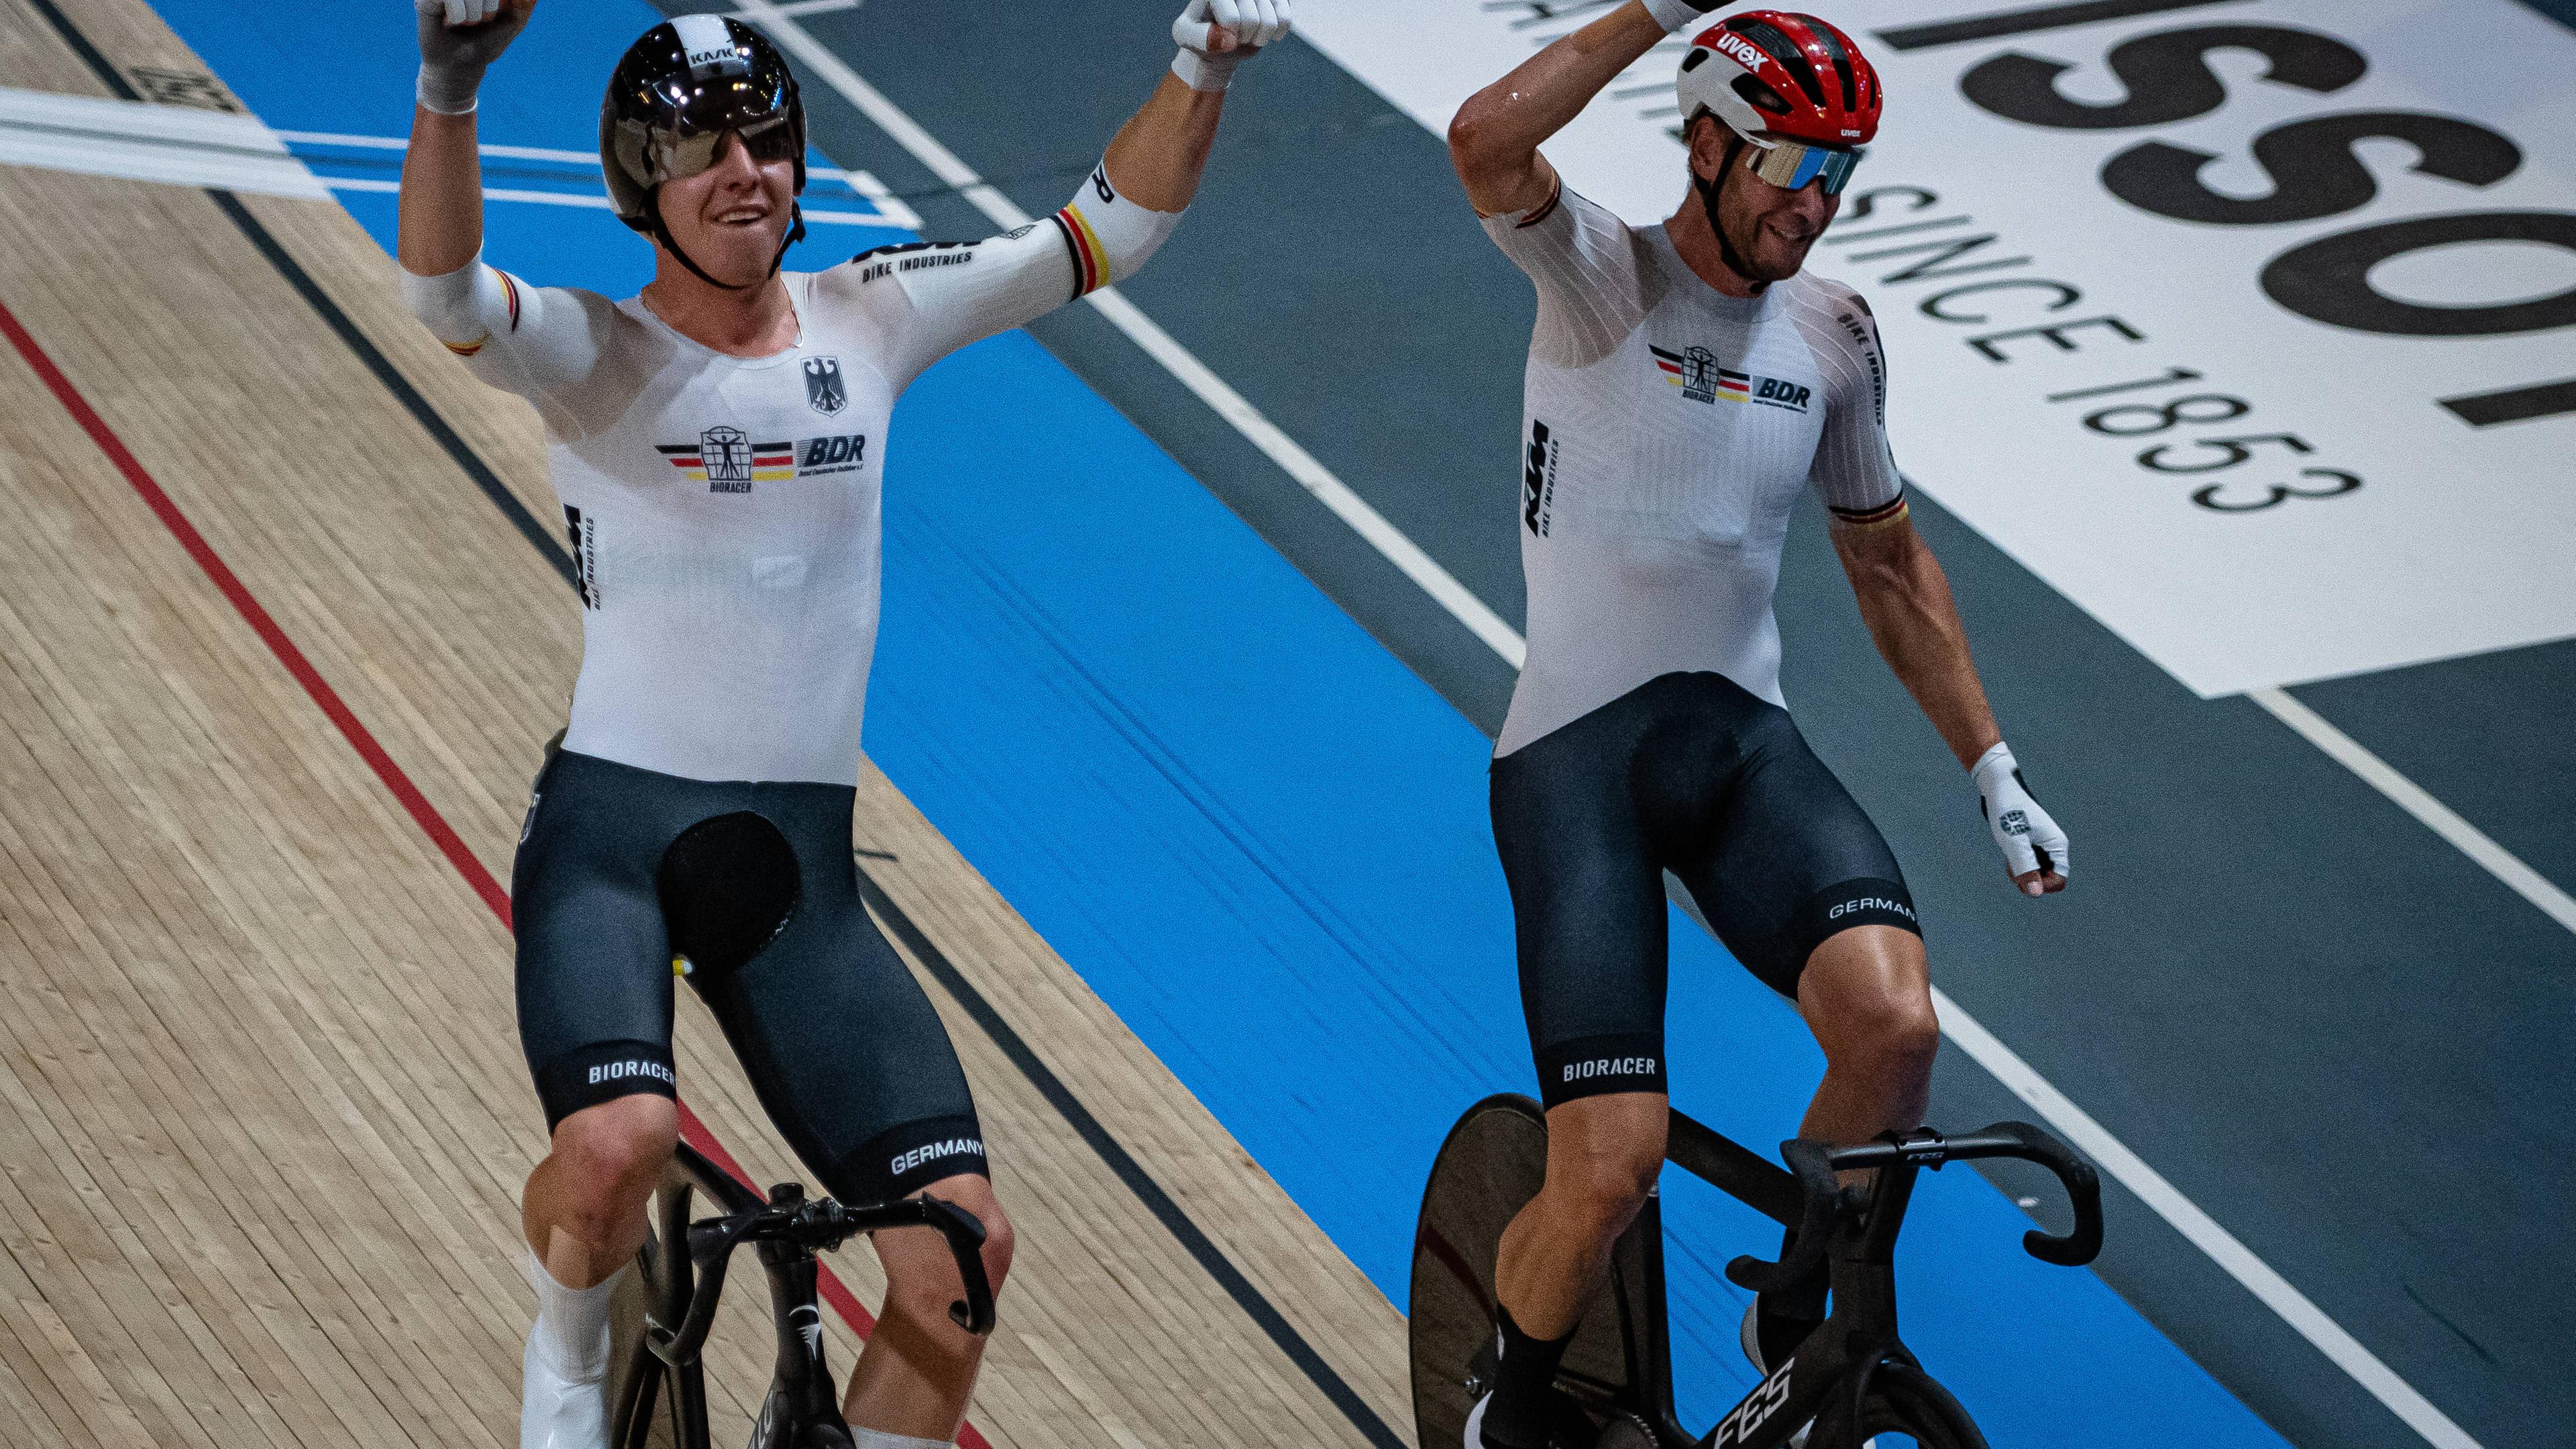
(1907, 1409)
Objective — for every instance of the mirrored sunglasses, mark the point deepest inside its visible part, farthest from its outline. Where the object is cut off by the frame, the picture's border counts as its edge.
(677, 158)
(1790, 165)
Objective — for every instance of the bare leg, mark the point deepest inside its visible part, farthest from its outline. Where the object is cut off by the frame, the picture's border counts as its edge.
(1603, 1154)
(1867, 995)
(918, 1369)
(583, 1210)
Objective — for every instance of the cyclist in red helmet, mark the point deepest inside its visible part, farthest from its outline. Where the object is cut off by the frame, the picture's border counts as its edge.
(1685, 382)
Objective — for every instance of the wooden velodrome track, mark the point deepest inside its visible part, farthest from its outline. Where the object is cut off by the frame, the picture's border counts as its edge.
(265, 1117)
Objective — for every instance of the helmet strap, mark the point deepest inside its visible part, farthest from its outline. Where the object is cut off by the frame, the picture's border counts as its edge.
(662, 233)
(1709, 192)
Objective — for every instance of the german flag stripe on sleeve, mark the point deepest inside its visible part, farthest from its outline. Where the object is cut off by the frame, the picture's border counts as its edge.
(466, 349)
(1090, 258)
(510, 290)
(1888, 512)
(1544, 209)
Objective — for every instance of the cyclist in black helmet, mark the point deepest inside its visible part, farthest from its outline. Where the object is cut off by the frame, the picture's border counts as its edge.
(717, 444)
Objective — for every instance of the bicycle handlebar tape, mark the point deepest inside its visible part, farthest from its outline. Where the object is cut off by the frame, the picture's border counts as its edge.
(965, 1234)
(2082, 1243)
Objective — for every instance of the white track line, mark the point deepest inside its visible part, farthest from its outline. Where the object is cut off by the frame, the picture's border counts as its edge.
(2071, 1121)
(1193, 374)
(597, 203)
(2223, 1247)
(2415, 800)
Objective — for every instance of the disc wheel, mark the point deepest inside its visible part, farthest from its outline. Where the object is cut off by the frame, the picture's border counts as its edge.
(1492, 1163)
(652, 1405)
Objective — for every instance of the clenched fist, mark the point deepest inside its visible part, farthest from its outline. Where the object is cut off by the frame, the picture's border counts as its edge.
(1216, 35)
(458, 40)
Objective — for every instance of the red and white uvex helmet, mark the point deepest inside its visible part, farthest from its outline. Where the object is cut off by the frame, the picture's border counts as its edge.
(1789, 74)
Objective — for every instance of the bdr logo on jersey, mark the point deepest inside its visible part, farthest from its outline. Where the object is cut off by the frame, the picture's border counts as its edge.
(1790, 395)
(842, 454)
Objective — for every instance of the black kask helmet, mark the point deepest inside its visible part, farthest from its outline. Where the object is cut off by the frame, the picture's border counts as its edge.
(672, 98)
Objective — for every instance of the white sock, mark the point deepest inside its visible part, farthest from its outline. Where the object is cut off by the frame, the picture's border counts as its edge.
(880, 1439)
(572, 1323)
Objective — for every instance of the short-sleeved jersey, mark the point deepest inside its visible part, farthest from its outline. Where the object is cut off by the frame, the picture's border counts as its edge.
(1667, 429)
(723, 512)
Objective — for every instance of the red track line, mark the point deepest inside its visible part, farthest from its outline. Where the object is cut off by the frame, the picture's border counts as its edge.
(438, 830)
(424, 814)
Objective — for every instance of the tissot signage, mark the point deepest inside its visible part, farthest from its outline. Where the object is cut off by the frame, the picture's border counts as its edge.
(2248, 324)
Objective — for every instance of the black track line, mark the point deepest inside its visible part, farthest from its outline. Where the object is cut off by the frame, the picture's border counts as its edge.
(357, 341)
(1131, 1172)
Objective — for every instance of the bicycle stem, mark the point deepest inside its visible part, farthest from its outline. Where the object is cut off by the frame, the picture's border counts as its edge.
(1817, 1170)
(791, 1223)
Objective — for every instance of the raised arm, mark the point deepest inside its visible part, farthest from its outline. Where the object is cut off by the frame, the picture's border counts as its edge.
(1157, 157)
(936, 297)
(441, 206)
(535, 341)
(1494, 139)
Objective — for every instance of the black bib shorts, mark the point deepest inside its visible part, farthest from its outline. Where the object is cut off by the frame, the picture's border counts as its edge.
(622, 869)
(1692, 774)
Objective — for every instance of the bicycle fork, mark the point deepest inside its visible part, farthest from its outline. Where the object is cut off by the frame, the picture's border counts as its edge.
(1828, 1378)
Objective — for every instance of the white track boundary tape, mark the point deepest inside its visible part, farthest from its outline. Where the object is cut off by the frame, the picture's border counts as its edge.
(2415, 800)
(2061, 1113)
(1313, 476)
(2223, 1247)
(140, 141)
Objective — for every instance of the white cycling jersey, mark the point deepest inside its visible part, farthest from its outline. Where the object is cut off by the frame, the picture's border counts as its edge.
(723, 512)
(1667, 429)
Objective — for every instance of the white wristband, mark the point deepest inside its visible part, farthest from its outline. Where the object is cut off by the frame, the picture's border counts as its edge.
(448, 91)
(1674, 14)
(1203, 72)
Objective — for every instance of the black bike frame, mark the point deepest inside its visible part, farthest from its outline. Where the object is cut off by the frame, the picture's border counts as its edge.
(784, 1231)
(690, 1173)
(1856, 1245)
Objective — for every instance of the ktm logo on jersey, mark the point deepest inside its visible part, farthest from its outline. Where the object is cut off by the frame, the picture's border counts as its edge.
(1538, 479)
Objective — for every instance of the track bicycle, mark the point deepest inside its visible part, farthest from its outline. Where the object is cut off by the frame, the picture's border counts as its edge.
(664, 1310)
(1852, 1376)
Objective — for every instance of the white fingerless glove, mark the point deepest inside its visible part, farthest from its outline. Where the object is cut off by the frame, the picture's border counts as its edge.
(458, 40)
(1252, 24)
(1675, 14)
(2030, 840)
